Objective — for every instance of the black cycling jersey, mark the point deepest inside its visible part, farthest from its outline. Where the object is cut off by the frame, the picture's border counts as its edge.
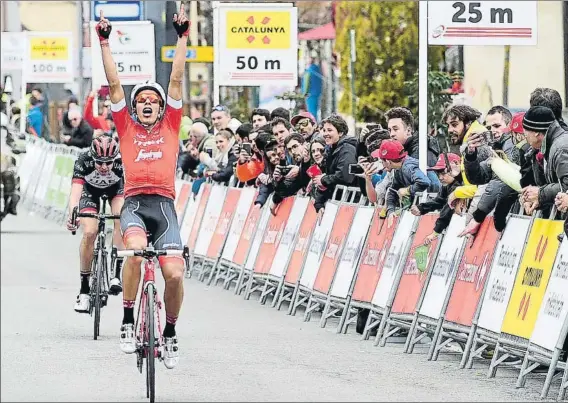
(85, 173)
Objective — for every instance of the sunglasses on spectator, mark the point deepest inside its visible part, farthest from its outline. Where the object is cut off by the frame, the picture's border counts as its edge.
(220, 108)
(302, 123)
(153, 99)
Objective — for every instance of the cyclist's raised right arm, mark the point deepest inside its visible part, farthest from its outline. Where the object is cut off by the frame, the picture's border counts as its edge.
(116, 91)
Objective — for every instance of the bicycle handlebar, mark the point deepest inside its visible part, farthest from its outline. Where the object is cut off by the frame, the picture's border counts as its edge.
(150, 253)
(75, 214)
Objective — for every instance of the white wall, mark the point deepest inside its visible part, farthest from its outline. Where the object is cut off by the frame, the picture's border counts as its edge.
(530, 66)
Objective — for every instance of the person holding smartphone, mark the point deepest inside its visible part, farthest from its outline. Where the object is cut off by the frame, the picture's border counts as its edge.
(220, 168)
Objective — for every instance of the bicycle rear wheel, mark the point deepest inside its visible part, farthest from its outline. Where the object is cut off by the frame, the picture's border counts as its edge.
(151, 354)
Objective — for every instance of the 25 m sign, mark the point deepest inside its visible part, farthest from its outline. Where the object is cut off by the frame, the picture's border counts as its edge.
(482, 23)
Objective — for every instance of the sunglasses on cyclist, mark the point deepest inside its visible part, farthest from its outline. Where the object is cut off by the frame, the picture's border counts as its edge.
(143, 98)
(105, 163)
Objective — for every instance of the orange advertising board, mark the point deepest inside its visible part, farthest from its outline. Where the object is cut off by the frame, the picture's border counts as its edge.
(206, 189)
(182, 199)
(337, 237)
(247, 235)
(373, 258)
(302, 245)
(272, 236)
(222, 229)
(416, 267)
(473, 271)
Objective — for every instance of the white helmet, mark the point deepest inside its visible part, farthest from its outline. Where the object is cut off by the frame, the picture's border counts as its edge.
(147, 85)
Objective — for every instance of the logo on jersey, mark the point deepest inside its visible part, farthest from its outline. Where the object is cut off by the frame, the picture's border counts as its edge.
(144, 155)
(149, 142)
(100, 180)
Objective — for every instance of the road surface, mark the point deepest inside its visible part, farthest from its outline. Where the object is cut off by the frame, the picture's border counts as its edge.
(231, 349)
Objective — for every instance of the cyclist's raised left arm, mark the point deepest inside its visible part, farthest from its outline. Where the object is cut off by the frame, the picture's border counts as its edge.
(181, 25)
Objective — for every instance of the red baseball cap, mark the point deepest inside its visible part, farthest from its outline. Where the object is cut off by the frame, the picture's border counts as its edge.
(516, 125)
(441, 164)
(391, 150)
(303, 115)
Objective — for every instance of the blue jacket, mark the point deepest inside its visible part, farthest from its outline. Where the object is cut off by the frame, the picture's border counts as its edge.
(35, 119)
(409, 175)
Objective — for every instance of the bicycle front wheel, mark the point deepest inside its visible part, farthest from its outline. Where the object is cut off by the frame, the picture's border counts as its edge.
(98, 289)
(151, 353)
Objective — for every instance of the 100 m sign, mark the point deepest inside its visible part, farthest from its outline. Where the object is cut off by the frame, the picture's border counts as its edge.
(48, 68)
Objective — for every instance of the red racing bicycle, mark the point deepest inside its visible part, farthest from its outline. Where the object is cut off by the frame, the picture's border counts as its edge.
(148, 326)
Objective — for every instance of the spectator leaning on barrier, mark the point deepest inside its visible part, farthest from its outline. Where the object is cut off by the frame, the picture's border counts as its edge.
(317, 161)
(341, 152)
(265, 180)
(220, 168)
(220, 116)
(407, 178)
(249, 167)
(66, 127)
(280, 113)
(305, 124)
(259, 117)
(289, 183)
(401, 128)
(82, 134)
(491, 145)
(551, 99)
(448, 169)
(545, 134)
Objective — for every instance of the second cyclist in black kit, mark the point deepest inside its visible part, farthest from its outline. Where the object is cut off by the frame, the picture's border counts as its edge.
(97, 172)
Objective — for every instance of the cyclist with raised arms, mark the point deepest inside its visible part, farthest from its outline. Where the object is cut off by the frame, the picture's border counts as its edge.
(97, 172)
(149, 148)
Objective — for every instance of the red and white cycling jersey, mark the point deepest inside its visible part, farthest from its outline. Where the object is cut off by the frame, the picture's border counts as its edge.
(149, 157)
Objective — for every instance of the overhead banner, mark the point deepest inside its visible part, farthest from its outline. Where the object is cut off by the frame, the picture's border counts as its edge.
(554, 311)
(318, 246)
(472, 274)
(444, 269)
(482, 23)
(393, 259)
(416, 267)
(257, 43)
(508, 254)
(286, 246)
(532, 279)
(373, 258)
(133, 51)
(49, 57)
(347, 266)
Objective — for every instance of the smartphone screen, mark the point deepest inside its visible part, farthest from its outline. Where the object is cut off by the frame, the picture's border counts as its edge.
(210, 152)
(356, 169)
(247, 147)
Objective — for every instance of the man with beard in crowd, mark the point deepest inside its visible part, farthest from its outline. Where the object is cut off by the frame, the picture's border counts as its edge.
(305, 124)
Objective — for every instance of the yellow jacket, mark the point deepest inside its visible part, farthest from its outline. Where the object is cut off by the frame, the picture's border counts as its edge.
(467, 191)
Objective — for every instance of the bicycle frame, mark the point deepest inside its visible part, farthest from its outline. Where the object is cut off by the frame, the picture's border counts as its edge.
(148, 282)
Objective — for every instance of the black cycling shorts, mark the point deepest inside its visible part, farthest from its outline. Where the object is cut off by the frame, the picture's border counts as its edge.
(156, 216)
(91, 196)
